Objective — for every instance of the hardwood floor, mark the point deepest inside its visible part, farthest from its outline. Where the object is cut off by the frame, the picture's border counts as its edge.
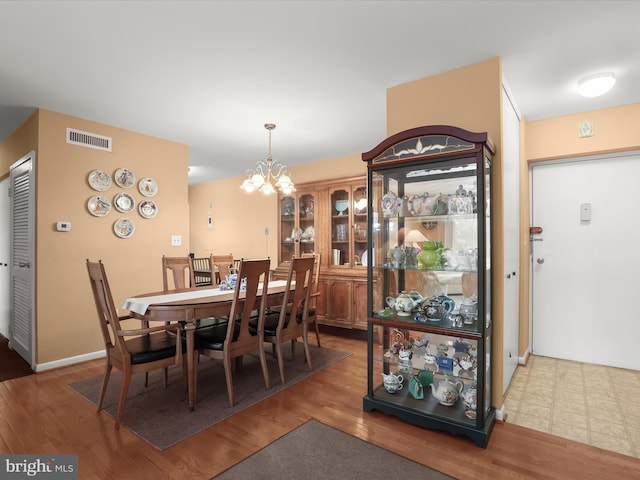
(41, 414)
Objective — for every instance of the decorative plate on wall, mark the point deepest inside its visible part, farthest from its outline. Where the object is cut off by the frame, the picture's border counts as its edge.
(99, 180)
(124, 228)
(148, 187)
(124, 178)
(124, 202)
(148, 209)
(99, 206)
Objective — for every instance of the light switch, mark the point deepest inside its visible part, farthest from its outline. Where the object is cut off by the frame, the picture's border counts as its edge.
(585, 212)
(176, 240)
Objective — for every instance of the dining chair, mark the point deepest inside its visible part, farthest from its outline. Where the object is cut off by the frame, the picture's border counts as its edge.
(223, 265)
(203, 271)
(139, 350)
(312, 317)
(179, 270)
(175, 271)
(288, 322)
(236, 338)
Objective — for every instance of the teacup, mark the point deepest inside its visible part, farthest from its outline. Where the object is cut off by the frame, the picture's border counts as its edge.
(392, 387)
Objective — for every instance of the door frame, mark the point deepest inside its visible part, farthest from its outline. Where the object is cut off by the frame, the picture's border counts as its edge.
(555, 161)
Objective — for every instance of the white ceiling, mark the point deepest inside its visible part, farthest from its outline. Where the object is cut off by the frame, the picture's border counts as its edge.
(209, 74)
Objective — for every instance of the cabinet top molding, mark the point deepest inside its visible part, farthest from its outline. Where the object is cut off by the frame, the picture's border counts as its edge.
(426, 141)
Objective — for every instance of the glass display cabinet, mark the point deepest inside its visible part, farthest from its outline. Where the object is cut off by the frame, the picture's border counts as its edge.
(348, 224)
(297, 227)
(429, 276)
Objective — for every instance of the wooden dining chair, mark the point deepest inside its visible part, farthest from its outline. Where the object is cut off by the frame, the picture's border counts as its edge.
(203, 271)
(235, 338)
(179, 271)
(312, 317)
(223, 265)
(288, 322)
(139, 350)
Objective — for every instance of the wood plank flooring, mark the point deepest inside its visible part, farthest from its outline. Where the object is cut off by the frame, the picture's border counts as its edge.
(41, 414)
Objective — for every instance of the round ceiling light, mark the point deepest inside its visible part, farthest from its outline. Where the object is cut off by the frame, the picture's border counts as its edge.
(596, 85)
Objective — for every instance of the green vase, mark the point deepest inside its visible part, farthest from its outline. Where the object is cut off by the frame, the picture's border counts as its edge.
(429, 257)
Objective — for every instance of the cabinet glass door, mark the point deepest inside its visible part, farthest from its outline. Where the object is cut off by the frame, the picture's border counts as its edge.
(306, 223)
(287, 228)
(340, 226)
(359, 225)
(297, 225)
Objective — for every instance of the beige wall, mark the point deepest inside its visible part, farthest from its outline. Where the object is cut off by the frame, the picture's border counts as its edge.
(469, 98)
(66, 323)
(615, 129)
(239, 218)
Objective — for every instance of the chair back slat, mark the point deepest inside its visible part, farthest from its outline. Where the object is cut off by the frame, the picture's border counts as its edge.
(107, 312)
(179, 270)
(203, 271)
(296, 300)
(251, 272)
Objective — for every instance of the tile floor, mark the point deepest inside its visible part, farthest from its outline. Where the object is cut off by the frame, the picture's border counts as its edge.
(588, 403)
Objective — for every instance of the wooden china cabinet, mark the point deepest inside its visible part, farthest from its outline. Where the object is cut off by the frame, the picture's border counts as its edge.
(329, 217)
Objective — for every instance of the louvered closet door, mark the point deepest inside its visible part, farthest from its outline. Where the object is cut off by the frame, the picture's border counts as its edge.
(21, 328)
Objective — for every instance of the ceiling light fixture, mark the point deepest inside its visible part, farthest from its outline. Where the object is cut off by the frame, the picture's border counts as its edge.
(596, 85)
(267, 170)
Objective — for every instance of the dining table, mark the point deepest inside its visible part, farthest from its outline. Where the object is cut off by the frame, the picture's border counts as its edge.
(189, 305)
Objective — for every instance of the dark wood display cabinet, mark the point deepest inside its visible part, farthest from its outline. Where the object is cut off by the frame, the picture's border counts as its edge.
(429, 278)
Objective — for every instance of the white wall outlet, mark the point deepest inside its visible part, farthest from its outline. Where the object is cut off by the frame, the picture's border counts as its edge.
(176, 240)
(63, 226)
(585, 129)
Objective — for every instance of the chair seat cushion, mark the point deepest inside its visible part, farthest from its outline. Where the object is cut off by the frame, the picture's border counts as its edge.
(213, 336)
(152, 347)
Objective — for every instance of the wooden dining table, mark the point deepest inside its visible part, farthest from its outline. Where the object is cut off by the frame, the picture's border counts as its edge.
(189, 305)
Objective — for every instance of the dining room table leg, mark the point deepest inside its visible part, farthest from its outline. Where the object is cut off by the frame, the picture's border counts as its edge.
(189, 328)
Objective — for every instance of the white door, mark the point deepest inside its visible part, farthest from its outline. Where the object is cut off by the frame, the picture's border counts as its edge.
(5, 254)
(586, 262)
(511, 202)
(22, 271)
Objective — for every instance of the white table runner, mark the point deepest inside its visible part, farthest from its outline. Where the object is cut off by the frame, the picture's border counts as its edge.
(139, 305)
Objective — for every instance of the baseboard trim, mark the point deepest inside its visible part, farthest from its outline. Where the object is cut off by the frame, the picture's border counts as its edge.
(501, 414)
(64, 362)
(523, 359)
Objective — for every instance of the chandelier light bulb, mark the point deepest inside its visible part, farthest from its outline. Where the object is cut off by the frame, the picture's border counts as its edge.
(596, 85)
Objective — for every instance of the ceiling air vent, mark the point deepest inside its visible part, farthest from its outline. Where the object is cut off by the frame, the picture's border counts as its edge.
(89, 140)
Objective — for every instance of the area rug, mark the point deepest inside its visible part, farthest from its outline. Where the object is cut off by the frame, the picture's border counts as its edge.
(161, 416)
(315, 451)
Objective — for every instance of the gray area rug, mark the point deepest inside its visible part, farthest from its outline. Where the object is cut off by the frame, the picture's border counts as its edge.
(161, 416)
(315, 451)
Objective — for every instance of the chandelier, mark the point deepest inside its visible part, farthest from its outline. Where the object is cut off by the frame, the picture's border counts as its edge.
(267, 171)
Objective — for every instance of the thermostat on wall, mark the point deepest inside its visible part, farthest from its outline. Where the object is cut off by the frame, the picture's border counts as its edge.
(63, 226)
